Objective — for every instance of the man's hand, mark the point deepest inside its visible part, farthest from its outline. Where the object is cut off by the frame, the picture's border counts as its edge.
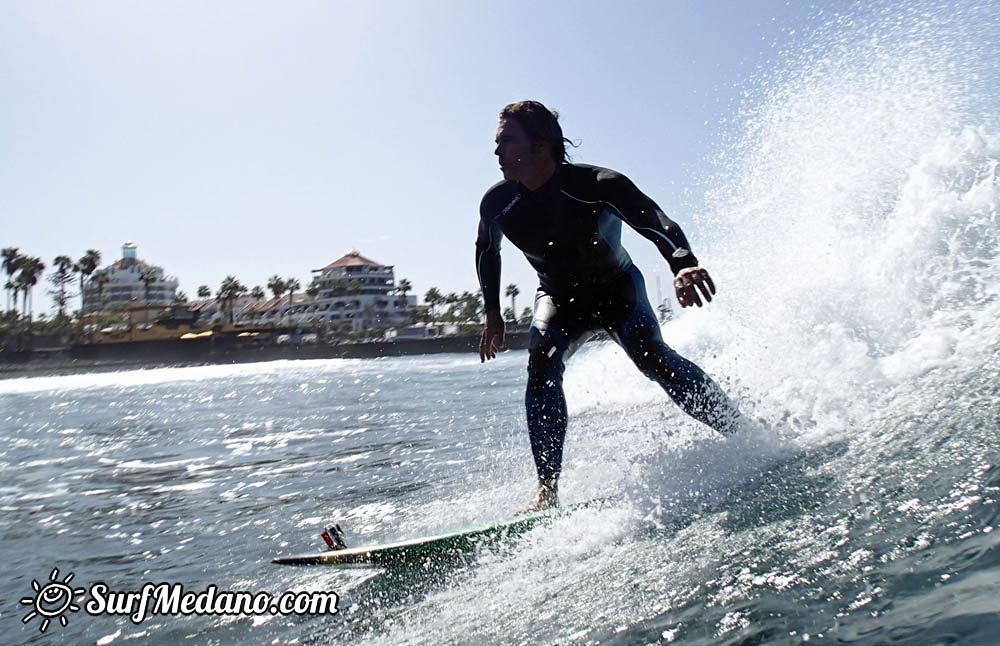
(688, 282)
(492, 337)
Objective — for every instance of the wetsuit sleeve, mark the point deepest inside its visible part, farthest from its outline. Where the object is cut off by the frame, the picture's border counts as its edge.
(488, 258)
(642, 214)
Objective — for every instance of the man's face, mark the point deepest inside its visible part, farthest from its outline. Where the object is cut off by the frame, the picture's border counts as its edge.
(514, 150)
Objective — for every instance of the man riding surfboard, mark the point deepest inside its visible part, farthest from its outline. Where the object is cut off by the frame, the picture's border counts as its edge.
(566, 218)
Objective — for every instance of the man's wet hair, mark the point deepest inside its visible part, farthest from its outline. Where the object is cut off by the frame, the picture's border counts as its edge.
(541, 125)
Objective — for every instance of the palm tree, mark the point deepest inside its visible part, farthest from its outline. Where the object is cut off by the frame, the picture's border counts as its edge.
(230, 290)
(148, 277)
(366, 316)
(338, 286)
(11, 287)
(62, 276)
(11, 263)
(451, 299)
(87, 265)
(291, 285)
(180, 298)
(402, 287)
(313, 289)
(101, 278)
(257, 294)
(470, 307)
(21, 287)
(27, 278)
(204, 291)
(433, 298)
(276, 285)
(512, 291)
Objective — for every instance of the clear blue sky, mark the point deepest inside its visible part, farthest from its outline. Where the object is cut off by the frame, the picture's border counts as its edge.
(254, 138)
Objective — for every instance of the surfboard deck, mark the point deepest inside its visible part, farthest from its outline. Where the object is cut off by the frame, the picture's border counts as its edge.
(419, 550)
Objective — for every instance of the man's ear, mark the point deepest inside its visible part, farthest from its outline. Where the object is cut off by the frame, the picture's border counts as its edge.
(541, 147)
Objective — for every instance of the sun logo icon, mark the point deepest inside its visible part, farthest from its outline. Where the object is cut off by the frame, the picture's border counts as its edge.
(52, 600)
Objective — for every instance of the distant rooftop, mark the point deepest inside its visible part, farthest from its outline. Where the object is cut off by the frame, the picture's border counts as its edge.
(352, 259)
(125, 263)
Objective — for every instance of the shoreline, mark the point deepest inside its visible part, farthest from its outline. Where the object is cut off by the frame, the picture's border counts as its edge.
(155, 354)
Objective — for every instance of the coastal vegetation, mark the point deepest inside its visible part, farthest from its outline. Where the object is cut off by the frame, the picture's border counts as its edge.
(460, 312)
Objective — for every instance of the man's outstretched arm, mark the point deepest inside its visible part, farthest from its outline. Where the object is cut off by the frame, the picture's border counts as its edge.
(641, 213)
(488, 272)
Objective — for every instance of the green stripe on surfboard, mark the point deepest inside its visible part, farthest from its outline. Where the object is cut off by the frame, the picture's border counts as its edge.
(418, 550)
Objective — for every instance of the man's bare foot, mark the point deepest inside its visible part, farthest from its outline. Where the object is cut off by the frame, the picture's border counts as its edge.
(547, 497)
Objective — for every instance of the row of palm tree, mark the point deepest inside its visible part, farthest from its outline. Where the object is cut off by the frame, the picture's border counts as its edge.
(466, 306)
(24, 271)
(231, 290)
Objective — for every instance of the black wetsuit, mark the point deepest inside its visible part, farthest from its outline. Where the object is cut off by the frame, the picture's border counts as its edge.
(570, 231)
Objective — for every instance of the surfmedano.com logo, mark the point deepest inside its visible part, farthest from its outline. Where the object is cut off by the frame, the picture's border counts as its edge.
(52, 600)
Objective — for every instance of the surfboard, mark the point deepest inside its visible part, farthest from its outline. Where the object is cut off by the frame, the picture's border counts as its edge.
(420, 550)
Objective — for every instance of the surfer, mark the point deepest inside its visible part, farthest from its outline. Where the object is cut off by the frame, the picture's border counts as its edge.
(567, 219)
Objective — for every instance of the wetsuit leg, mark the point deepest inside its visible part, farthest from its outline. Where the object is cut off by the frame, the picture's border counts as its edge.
(556, 333)
(629, 318)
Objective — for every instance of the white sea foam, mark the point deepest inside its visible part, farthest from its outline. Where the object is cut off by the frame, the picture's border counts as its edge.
(852, 230)
(154, 376)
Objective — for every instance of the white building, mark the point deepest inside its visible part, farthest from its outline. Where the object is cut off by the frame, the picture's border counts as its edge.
(125, 283)
(356, 293)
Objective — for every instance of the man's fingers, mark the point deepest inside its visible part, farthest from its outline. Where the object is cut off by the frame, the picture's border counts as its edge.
(692, 286)
(704, 283)
(685, 297)
(708, 279)
(489, 344)
(704, 291)
(683, 286)
(686, 292)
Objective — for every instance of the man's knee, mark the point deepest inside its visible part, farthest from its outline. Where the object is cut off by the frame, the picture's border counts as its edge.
(543, 376)
(545, 365)
(656, 361)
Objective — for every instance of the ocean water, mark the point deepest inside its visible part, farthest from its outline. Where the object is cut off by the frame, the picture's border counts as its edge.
(852, 227)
